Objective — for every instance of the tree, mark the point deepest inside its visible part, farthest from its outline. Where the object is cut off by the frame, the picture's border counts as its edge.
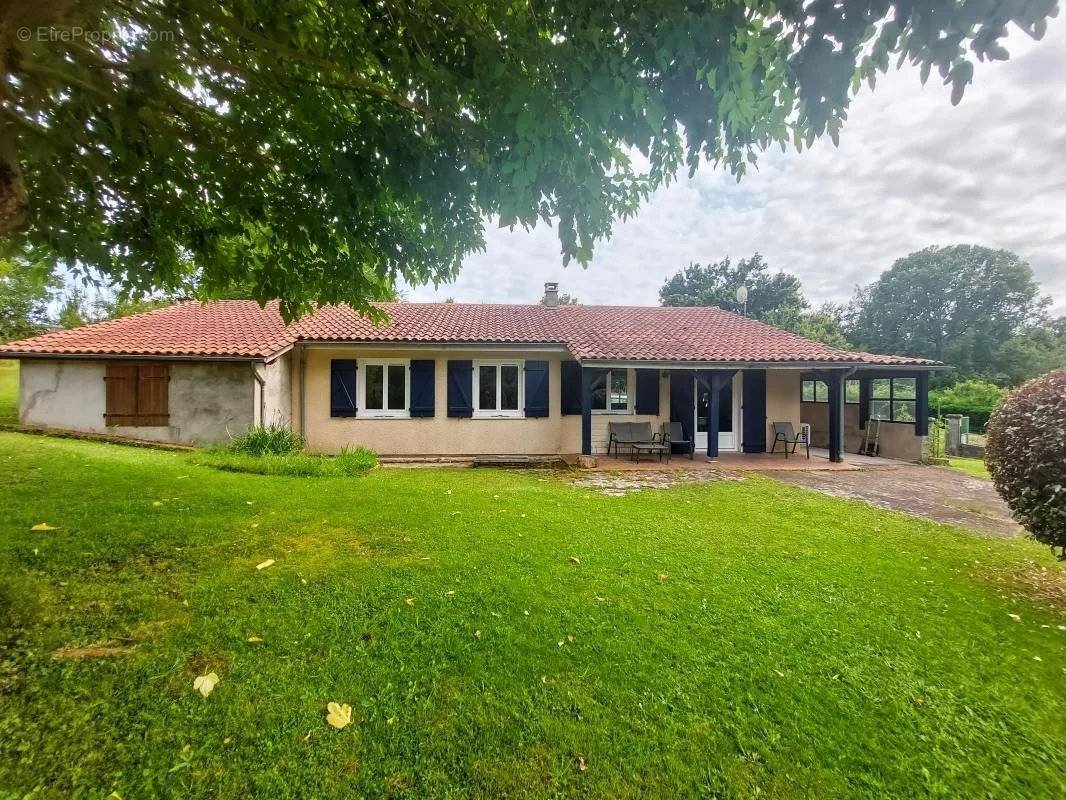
(1036, 350)
(776, 299)
(955, 304)
(322, 151)
(26, 289)
(972, 398)
(823, 325)
(1024, 457)
(716, 284)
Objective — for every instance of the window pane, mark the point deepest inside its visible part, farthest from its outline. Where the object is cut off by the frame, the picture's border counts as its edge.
(903, 412)
(821, 392)
(486, 395)
(619, 390)
(903, 388)
(509, 387)
(807, 392)
(879, 409)
(397, 387)
(851, 392)
(599, 394)
(880, 388)
(375, 387)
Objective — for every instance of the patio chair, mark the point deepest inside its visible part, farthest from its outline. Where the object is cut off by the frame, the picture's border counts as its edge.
(674, 433)
(784, 432)
(635, 435)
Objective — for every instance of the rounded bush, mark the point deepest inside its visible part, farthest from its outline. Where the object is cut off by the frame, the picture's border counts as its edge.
(1026, 455)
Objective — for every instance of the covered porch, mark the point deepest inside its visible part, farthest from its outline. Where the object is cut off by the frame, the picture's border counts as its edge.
(728, 411)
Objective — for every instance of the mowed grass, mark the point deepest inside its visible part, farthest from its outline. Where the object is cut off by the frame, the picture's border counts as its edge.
(971, 466)
(508, 634)
(9, 392)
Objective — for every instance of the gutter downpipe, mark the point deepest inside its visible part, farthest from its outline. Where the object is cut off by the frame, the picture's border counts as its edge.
(303, 380)
(261, 406)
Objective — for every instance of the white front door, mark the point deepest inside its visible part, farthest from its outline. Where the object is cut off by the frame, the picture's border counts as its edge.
(727, 415)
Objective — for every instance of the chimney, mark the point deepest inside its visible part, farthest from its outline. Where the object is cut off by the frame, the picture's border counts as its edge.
(551, 294)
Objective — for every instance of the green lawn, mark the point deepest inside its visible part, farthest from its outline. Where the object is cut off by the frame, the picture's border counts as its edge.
(971, 466)
(9, 391)
(507, 634)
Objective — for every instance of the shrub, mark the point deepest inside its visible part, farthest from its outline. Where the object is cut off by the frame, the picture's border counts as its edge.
(267, 440)
(1026, 457)
(974, 399)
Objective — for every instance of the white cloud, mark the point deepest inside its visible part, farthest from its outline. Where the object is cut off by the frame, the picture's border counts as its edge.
(911, 171)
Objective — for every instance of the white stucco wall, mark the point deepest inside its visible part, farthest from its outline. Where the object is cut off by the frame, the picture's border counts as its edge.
(208, 401)
(277, 391)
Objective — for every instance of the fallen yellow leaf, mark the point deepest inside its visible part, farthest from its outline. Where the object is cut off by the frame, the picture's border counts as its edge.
(339, 716)
(254, 639)
(205, 684)
(409, 600)
(575, 560)
(43, 526)
(269, 562)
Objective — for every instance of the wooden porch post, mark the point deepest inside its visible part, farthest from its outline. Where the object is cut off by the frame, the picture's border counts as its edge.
(835, 381)
(921, 404)
(586, 411)
(712, 415)
(716, 380)
(864, 400)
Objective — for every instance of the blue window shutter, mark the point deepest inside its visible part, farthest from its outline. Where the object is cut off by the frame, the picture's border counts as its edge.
(460, 388)
(536, 388)
(570, 387)
(648, 391)
(755, 422)
(423, 387)
(342, 387)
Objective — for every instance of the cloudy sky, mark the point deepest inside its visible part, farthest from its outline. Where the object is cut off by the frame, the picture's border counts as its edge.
(911, 171)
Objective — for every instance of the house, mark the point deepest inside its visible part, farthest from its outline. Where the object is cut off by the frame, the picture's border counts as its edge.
(464, 379)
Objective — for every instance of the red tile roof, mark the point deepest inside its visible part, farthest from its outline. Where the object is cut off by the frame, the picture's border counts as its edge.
(242, 329)
(234, 329)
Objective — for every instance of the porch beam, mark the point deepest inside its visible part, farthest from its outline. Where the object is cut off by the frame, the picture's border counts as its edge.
(586, 411)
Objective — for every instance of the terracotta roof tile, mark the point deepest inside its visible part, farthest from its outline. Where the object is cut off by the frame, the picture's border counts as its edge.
(228, 328)
(242, 329)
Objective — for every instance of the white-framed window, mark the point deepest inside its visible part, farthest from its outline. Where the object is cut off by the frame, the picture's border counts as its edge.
(384, 388)
(615, 395)
(499, 389)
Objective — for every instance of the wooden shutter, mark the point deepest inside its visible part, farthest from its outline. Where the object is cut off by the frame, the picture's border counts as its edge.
(342, 387)
(683, 401)
(460, 388)
(153, 394)
(647, 391)
(754, 416)
(536, 388)
(137, 394)
(423, 387)
(120, 384)
(570, 387)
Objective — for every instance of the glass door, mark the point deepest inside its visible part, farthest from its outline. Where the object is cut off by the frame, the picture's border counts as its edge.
(727, 437)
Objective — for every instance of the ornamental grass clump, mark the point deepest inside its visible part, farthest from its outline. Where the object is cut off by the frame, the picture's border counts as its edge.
(267, 440)
(1026, 456)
